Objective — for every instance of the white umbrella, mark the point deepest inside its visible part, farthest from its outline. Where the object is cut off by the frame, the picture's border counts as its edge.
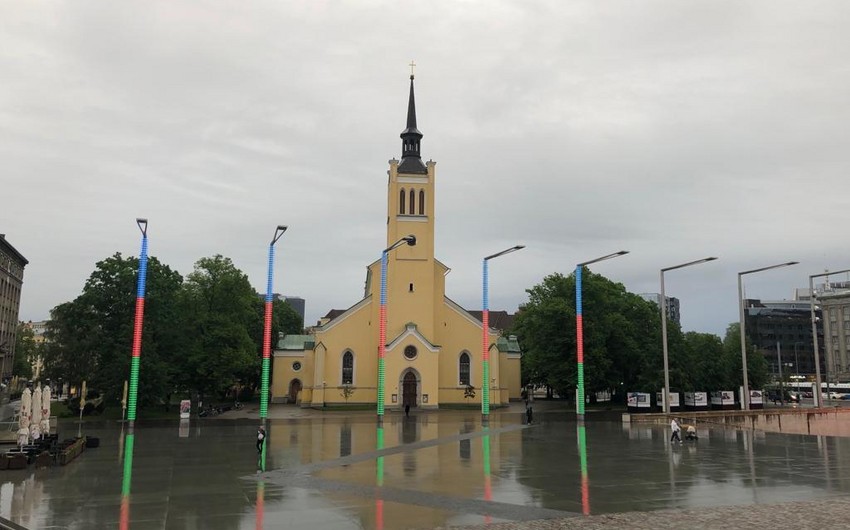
(35, 417)
(45, 411)
(26, 406)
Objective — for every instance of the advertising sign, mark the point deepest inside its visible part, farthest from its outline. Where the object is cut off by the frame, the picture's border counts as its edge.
(638, 400)
(696, 399)
(185, 408)
(674, 399)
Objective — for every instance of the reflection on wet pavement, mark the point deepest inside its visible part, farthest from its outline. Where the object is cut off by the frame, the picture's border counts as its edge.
(432, 469)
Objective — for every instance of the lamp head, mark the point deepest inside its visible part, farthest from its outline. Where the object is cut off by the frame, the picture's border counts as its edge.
(410, 240)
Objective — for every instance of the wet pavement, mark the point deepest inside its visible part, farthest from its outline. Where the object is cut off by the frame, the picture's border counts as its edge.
(337, 470)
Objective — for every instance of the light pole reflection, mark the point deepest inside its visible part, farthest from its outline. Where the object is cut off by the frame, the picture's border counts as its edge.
(379, 479)
(582, 458)
(126, 479)
(488, 490)
(261, 492)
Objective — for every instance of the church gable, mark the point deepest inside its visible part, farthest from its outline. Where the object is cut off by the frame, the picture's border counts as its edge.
(411, 331)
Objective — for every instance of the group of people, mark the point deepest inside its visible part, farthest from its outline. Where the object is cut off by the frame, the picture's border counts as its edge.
(690, 430)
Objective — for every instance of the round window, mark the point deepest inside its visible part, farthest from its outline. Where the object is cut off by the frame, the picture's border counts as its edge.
(296, 366)
(410, 352)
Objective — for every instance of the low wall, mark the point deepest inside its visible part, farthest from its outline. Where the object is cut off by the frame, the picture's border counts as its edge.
(821, 421)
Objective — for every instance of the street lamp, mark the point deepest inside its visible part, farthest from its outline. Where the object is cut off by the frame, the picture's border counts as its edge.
(741, 324)
(382, 327)
(818, 399)
(267, 331)
(137, 326)
(663, 305)
(485, 339)
(580, 332)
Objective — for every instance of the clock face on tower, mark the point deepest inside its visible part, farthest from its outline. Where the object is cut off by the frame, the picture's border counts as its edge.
(410, 352)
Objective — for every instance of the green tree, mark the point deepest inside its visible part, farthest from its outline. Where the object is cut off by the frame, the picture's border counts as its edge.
(709, 365)
(26, 351)
(91, 336)
(622, 336)
(218, 313)
(757, 368)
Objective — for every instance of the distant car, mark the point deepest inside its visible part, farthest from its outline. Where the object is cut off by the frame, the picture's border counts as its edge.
(845, 396)
(835, 395)
(808, 395)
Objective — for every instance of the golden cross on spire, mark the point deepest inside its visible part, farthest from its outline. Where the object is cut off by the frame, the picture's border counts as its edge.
(412, 65)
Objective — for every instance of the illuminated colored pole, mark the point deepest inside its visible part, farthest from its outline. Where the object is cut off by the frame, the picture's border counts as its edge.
(267, 332)
(137, 326)
(485, 333)
(382, 318)
(580, 334)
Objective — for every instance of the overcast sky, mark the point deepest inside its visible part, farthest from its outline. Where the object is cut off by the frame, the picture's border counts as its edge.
(673, 129)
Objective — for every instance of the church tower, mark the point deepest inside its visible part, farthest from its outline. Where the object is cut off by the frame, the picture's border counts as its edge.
(411, 277)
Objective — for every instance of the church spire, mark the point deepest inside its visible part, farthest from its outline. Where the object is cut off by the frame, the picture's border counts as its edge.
(411, 161)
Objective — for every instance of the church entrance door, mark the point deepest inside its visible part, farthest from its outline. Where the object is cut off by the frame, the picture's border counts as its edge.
(409, 390)
(294, 390)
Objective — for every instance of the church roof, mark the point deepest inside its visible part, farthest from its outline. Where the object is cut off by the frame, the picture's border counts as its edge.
(508, 344)
(296, 342)
(501, 320)
(411, 161)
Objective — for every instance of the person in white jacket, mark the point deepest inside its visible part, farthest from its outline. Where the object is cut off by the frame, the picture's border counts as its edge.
(676, 430)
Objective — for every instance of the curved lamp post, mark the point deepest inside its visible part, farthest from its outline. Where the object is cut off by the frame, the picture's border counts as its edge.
(267, 332)
(741, 324)
(137, 326)
(382, 316)
(663, 305)
(485, 339)
(580, 332)
(134, 376)
(818, 398)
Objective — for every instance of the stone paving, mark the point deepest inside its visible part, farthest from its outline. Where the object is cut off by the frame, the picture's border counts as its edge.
(439, 469)
(834, 513)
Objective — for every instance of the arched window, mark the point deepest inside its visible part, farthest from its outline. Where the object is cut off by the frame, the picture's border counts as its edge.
(463, 368)
(421, 202)
(348, 368)
(412, 202)
(401, 197)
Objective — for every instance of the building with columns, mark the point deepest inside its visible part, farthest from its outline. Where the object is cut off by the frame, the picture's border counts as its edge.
(433, 347)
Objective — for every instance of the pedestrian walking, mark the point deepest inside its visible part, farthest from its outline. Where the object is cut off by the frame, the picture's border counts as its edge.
(261, 439)
(674, 426)
(407, 409)
(529, 414)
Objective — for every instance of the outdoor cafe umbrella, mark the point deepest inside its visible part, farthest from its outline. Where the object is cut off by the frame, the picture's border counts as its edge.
(45, 411)
(35, 415)
(24, 414)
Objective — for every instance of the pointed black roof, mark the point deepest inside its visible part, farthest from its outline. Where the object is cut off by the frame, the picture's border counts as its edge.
(411, 161)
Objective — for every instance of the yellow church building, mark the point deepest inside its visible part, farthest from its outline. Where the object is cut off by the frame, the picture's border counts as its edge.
(433, 350)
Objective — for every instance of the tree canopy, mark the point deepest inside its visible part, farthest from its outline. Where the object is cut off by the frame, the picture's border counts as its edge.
(622, 343)
(200, 335)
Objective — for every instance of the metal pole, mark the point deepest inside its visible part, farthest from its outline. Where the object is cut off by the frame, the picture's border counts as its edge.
(579, 349)
(382, 336)
(485, 332)
(267, 332)
(779, 360)
(663, 305)
(137, 326)
(817, 392)
(746, 396)
(485, 350)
